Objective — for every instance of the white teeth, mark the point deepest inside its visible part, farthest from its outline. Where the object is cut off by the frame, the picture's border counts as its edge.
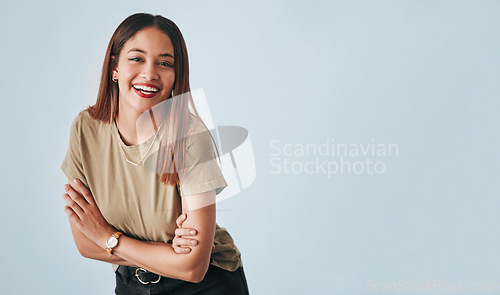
(146, 88)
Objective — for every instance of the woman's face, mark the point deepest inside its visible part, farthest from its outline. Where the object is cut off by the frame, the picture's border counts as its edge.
(145, 71)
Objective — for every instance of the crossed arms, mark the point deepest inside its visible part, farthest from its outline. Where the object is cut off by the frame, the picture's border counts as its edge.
(178, 260)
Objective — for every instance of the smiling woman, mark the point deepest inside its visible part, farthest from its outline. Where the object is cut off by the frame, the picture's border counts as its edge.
(158, 228)
(144, 72)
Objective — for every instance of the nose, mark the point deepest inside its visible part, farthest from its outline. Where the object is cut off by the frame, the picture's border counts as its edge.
(149, 72)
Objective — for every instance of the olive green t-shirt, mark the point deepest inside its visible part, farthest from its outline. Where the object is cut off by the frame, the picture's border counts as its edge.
(131, 198)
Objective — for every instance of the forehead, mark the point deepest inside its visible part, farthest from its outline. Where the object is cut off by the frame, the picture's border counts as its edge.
(150, 40)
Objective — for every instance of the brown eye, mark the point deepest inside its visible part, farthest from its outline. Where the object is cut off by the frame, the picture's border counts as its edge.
(165, 64)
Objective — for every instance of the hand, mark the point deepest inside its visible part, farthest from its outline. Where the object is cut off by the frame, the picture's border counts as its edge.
(84, 213)
(183, 240)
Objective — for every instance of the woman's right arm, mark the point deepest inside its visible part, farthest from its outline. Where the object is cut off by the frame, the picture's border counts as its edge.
(89, 249)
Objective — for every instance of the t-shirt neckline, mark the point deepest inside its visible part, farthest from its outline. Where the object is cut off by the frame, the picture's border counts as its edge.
(146, 143)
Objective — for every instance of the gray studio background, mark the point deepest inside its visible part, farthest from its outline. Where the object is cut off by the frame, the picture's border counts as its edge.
(423, 75)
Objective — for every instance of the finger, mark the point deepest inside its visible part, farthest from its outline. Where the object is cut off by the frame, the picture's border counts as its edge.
(78, 186)
(71, 214)
(83, 191)
(213, 247)
(178, 249)
(182, 250)
(185, 242)
(71, 204)
(180, 220)
(75, 196)
(185, 232)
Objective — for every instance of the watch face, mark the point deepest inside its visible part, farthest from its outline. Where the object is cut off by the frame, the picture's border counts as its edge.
(111, 242)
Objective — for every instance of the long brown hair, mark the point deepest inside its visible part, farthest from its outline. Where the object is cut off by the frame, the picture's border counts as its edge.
(106, 107)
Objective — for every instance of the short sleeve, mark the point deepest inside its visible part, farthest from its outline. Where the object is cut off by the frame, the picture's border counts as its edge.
(72, 164)
(202, 172)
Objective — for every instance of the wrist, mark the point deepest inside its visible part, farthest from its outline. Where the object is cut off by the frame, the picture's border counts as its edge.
(112, 242)
(105, 236)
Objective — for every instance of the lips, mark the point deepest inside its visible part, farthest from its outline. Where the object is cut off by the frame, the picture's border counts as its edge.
(145, 90)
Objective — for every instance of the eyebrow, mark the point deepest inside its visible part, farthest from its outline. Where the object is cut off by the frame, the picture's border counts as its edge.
(142, 51)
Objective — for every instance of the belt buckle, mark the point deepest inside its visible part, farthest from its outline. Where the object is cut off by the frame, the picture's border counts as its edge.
(139, 278)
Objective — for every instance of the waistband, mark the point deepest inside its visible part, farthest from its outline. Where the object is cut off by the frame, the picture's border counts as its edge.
(143, 276)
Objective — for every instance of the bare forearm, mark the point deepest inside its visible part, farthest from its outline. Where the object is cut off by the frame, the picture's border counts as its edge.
(89, 249)
(105, 257)
(163, 260)
(146, 253)
(97, 253)
(159, 258)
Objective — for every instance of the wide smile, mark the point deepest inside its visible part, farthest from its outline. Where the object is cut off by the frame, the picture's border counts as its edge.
(145, 90)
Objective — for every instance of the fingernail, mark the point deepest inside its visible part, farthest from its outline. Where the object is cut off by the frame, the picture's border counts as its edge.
(186, 250)
(193, 242)
(193, 232)
(75, 181)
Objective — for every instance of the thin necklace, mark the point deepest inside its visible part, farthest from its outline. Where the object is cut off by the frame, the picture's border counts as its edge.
(147, 152)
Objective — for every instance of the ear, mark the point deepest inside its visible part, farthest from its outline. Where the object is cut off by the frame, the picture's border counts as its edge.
(114, 71)
(114, 74)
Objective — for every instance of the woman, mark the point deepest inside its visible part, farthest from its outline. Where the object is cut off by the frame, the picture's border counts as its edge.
(124, 196)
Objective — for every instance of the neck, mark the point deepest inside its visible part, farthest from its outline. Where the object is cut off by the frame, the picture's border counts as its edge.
(135, 127)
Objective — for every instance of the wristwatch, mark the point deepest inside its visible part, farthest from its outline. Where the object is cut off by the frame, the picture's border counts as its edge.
(112, 242)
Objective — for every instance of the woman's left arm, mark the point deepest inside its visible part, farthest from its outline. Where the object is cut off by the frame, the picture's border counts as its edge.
(158, 258)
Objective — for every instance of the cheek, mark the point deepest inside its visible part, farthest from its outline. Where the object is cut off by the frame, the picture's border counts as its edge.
(169, 79)
(125, 81)
(126, 72)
